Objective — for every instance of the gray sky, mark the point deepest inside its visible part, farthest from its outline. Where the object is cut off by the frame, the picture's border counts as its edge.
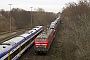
(47, 5)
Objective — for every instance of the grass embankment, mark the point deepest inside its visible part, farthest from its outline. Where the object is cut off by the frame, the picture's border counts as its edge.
(57, 44)
(4, 36)
(63, 48)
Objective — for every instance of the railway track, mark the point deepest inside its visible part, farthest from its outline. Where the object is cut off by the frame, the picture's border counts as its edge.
(1, 33)
(12, 35)
(39, 57)
(30, 55)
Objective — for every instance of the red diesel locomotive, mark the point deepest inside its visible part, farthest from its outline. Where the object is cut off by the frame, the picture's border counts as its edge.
(43, 41)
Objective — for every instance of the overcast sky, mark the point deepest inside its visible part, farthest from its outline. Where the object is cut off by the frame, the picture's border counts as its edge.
(47, 5)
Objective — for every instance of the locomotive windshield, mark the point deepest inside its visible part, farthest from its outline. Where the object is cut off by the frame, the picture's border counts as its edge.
(38, 40)
(41, 40)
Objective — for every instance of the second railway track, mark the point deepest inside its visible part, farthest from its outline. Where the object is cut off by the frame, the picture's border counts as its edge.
(13, 35)
(30, 55)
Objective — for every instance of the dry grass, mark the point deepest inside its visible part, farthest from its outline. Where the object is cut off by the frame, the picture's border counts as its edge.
(4, 36)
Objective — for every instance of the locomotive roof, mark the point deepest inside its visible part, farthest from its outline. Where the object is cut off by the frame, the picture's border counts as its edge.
(45, 33)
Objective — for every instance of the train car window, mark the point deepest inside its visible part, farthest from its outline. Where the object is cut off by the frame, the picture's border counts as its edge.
(23, 46)
(30, 40)
(14, 53)
(17, 51)
(27, 42)
(33, 38)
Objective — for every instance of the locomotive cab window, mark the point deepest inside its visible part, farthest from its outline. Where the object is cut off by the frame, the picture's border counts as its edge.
(38, 40)
(43, 40)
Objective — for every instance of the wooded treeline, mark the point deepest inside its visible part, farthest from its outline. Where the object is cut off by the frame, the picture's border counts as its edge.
(21, 19)
(76, 30)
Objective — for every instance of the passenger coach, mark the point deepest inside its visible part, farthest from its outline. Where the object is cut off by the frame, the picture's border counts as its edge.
(14, 48)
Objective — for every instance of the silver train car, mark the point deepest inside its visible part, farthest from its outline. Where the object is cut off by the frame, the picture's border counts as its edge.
(15, 47)
(54, 24)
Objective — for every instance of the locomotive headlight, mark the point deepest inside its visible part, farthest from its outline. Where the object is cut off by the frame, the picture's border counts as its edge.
(36, 46)
(44, 46)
